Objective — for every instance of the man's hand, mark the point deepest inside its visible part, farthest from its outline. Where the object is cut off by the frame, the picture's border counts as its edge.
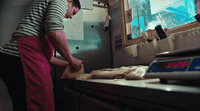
(76, 64)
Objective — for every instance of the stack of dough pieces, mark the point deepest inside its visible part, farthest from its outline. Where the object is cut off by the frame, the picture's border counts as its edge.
(127, 72)
(136, 73)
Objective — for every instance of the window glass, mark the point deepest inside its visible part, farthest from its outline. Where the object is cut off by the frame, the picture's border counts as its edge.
(147, 14)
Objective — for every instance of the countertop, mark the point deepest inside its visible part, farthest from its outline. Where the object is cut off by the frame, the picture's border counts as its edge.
(175, 94)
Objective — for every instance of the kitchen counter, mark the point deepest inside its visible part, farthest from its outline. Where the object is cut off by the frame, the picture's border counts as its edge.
(176, 95)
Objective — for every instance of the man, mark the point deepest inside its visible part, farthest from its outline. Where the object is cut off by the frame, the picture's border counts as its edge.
(27, 58)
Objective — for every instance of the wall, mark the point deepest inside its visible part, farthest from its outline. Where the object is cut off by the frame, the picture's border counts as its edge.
(11, 13)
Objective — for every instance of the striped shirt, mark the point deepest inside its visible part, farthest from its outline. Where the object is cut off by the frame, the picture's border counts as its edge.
(43, 16)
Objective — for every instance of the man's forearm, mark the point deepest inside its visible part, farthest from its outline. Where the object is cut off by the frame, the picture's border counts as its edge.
(57, 62)
(59, 41)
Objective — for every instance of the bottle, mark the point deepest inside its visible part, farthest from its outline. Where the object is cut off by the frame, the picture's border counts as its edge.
(161, 33)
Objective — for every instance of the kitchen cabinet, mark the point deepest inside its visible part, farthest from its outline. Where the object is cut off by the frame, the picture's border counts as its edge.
(71, 100)
(137, 95)
(88, 103)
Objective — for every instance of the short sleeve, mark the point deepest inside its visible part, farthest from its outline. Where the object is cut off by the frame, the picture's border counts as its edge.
(55, 15)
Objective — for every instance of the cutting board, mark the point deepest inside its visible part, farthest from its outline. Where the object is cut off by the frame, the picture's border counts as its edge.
(72, 75)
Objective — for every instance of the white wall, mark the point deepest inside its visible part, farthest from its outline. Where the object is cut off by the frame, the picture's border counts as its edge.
(11, 13)
(98, 14)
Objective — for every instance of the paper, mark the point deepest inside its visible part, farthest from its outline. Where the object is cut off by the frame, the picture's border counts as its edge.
(116, 24)
(74, 27)
(132, 50)
(72, 75)
(86, 4)
(116, 16)
(171, 42)
(156, 46)
(129, 16)
(158, 5)
(118, 37)
(128, 29)
(166, 44)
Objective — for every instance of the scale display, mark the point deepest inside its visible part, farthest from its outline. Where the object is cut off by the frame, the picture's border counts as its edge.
(169, 66)
(185, 68)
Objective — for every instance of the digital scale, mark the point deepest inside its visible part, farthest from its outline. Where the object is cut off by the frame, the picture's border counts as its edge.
(176, 65)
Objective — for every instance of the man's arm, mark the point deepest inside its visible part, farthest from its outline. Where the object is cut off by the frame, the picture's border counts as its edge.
(59, 41)
(58, 63)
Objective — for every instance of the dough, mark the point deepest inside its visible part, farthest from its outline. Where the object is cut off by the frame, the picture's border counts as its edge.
(84, 77)
(127, 72)
(131, 69)
(138, 73)
(101, 74)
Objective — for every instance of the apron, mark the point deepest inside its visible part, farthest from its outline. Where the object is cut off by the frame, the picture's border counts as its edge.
(35, 53)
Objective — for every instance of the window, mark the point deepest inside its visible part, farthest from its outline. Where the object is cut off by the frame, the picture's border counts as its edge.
(147, 14)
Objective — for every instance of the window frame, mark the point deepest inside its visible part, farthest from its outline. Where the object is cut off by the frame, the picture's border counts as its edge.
(125, 41)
